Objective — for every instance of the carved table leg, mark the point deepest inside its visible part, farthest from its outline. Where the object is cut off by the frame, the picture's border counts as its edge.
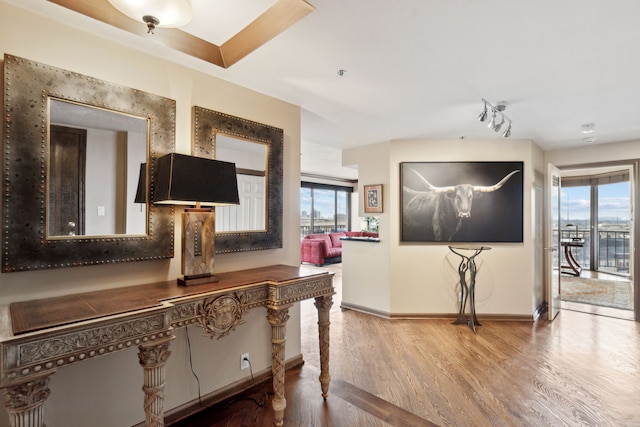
(25, 403)
(153, 358)
(278, 320)
(323, 304)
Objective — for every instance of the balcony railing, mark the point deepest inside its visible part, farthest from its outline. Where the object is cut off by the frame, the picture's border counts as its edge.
(613, 249)
(329, 228)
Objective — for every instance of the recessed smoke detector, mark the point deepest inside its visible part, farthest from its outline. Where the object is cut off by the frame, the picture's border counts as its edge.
(588, 128)
(342, 73)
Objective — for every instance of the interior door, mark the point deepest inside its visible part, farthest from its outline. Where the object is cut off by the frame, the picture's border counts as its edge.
(552, 241)
(67, 164)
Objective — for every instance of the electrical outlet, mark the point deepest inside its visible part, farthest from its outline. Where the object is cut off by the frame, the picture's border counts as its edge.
(244, 361)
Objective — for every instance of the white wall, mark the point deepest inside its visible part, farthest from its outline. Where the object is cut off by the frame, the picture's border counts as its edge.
(78, 391)
(101, 182)
(596, 153)
(422, 277)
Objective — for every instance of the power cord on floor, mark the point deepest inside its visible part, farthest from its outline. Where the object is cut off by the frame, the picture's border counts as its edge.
(260, 403)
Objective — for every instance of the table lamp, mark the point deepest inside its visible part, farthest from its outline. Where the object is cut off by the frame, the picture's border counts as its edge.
(205, 183)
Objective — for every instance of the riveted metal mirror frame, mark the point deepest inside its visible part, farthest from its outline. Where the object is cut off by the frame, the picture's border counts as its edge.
(206, 124)
(27, 88)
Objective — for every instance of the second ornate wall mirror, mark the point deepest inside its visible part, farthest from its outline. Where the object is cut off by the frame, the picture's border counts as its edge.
(256, 149)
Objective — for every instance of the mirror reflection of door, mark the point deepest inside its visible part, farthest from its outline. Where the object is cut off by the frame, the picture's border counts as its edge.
(250, 213)
(67, 163)
(251, 159)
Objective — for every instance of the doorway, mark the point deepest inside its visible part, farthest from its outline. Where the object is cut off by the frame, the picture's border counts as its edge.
(67, 165)
(595, 230)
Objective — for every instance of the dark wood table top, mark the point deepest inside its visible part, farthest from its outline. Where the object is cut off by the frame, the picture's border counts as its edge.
(33, 315)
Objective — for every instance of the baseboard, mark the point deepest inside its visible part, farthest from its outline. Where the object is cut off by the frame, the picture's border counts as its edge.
(194, 406)
(435, 316)
(453, 316)
(366, 310)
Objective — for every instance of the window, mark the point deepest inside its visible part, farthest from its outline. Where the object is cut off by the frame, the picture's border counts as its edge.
(324, 208)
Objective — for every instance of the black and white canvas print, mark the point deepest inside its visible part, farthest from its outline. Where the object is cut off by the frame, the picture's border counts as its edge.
(479, 202)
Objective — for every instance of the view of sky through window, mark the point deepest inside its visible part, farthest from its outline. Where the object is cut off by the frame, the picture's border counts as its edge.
(613, 206)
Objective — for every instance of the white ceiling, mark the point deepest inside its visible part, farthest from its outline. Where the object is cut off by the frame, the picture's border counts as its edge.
(419, 68)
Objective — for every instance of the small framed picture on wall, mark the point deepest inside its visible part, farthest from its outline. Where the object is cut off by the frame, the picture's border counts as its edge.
(373, 198)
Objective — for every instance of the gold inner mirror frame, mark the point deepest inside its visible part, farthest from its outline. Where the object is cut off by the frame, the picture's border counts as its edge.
(94, 159)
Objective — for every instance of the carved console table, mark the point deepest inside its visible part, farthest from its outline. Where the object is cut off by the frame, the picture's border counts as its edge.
(40, 336)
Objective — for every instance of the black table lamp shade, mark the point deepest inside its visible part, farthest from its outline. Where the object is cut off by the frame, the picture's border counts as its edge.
(186, 180)
(141, 193)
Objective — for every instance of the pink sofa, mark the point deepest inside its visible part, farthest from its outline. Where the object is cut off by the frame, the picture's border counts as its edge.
(319, 249)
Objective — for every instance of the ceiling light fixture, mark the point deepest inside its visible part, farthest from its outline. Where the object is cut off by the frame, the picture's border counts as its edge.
(496, 110)
(156, 13)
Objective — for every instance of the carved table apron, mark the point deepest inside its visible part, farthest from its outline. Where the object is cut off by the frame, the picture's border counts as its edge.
(47, 334)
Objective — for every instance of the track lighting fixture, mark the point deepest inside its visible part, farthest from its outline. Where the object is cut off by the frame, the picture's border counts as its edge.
(495, 111)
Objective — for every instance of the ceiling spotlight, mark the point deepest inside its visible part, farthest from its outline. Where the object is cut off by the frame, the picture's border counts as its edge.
(492, 122)
(507, 132)
(483, 116)
(342, 73)
(156, 13)
(496, 110)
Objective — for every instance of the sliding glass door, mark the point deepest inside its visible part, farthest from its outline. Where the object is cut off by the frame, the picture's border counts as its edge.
(597, 209)
(613, 227)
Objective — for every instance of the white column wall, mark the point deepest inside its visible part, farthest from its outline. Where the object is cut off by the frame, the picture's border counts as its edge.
(365, 266)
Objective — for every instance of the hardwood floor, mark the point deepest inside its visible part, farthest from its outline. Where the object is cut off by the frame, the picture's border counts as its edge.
(579, 370)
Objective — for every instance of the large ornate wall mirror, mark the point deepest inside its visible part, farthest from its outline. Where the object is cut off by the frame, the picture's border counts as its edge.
(256, 149)
(76, 149)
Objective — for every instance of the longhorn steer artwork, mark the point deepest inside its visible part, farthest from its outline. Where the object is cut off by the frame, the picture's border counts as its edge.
(438, 213)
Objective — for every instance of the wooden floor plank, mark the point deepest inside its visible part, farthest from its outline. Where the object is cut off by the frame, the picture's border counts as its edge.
(580, 369)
